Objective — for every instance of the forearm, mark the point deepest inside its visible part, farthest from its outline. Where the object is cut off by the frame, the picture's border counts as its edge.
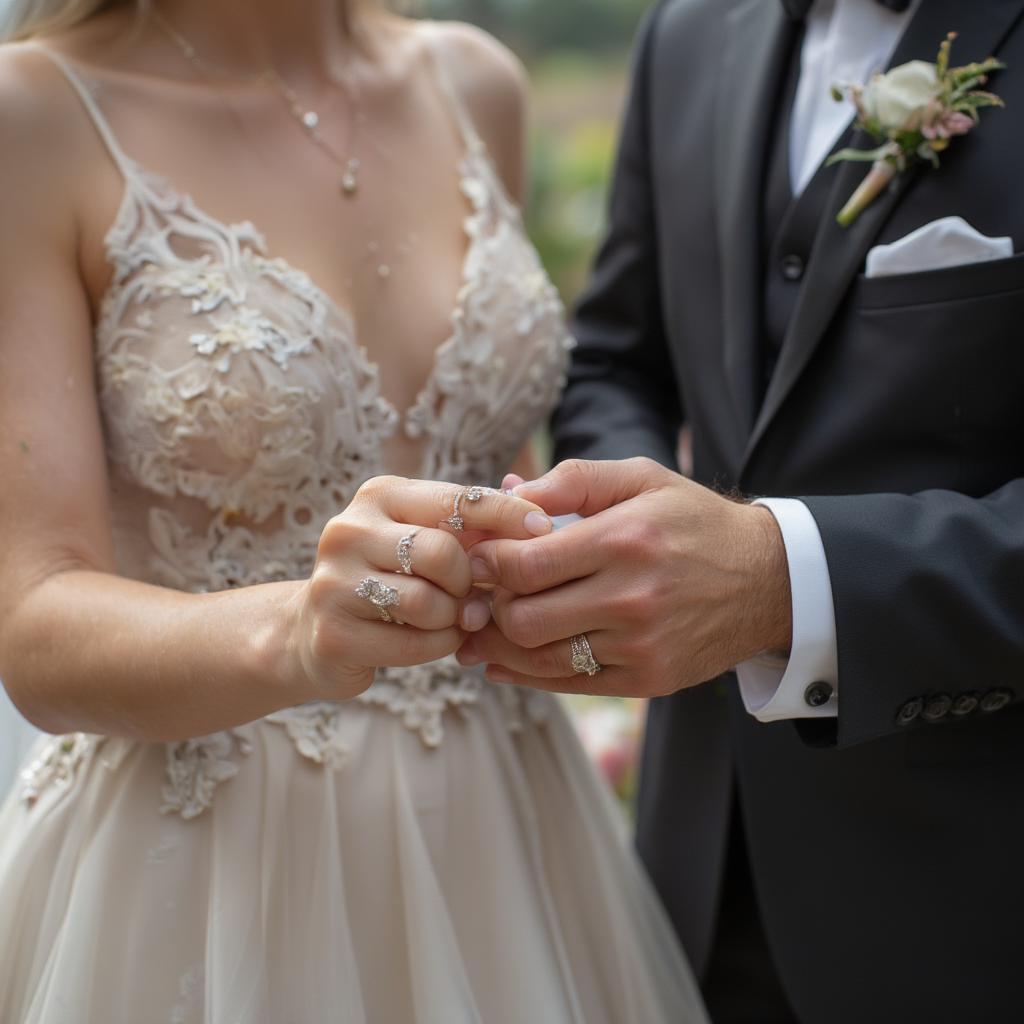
(93, 652)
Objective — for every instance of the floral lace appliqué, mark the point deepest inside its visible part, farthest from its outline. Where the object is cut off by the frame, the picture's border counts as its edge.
(57, 764)
(421, 694)
(315, 729)
(195, 768)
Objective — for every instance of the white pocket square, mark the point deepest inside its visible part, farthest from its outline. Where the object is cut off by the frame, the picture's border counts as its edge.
(949, 242)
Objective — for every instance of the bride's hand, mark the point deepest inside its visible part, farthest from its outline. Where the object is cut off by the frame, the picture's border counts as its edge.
(338, 638)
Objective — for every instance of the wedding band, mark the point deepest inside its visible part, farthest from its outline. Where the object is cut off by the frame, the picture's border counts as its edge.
(455, 520)
(583, 660)
(380, 595)
(404, 552)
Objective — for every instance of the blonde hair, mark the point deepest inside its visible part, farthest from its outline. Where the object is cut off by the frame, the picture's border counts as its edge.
(20, 19)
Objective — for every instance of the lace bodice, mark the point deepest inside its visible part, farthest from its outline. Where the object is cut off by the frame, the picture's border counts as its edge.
(240, 411)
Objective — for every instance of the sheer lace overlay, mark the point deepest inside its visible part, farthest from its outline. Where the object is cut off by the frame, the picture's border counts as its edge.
(241, 413)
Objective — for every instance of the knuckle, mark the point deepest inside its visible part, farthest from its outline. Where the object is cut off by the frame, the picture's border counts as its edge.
(425, 604)
(638, 538)
(575, 469)
(632, 651)
(549, 661)
(324, 643)
(447, 554)
(323, 588)
(640, 603)
(376, 488)
(429, 646)
(644, 464)
(522, 624)
(340, 534)
(535, 563)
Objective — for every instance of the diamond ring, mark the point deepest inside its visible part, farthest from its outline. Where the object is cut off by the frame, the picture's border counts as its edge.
(404, 552)
(455, 520)
(380, 595)
(583, 660)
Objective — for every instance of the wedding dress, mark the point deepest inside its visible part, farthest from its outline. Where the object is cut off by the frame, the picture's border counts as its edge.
(16, 738)
(436, 851)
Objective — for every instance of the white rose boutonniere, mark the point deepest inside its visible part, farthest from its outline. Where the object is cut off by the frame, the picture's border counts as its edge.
(913, 111)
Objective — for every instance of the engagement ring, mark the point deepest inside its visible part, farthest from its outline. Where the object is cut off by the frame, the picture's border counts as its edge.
(380, 595)
(583, 660)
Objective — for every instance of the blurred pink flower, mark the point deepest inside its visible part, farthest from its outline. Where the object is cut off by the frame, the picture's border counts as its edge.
(610, 731)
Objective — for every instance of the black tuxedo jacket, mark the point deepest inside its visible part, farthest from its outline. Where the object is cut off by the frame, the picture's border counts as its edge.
(887, 846)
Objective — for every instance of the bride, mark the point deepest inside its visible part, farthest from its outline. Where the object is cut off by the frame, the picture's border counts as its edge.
(261, 283)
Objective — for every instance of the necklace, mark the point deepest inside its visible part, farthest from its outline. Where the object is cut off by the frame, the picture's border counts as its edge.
(307, 118)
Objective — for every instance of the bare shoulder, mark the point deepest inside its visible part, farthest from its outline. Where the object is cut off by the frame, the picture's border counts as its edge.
(493, 84)
(491, 76)
(41, 132)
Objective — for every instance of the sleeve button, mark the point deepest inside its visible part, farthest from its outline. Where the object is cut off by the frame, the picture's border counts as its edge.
(936, 708)
(817, 695)
(995, 700)
(965, 704)
(910, 711)
(792, 267)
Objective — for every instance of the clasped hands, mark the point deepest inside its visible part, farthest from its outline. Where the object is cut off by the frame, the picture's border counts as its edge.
(672, 583)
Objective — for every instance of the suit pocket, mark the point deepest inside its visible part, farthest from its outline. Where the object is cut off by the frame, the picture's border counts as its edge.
(970, 281)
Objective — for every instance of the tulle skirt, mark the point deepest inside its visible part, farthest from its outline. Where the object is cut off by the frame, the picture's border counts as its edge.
(16, 739)
(486, 878)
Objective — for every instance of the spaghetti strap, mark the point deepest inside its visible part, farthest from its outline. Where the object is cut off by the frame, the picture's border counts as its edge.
(106, 133)
(467, 129)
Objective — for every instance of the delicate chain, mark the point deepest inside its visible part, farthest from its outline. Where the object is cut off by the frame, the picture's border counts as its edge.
(308, 119)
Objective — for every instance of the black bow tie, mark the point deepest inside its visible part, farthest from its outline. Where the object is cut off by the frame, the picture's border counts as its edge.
(797, 9)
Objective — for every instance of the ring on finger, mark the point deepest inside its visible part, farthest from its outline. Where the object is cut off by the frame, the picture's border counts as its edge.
(404, 552)
(380, 595)
(583, 660)
(471, 494)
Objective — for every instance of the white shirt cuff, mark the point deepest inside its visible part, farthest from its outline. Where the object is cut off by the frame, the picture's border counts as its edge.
(774, 688)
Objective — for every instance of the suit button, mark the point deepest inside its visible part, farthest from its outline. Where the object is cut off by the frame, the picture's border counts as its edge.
(965, 704)
(996, 700)
(910, 711)
(817, 695)
(792, 267)
(936, 708)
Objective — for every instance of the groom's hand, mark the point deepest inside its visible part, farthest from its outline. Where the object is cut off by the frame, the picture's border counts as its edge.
(672, 583)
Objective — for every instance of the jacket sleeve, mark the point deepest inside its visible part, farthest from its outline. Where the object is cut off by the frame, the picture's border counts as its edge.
(622, 398)
(928, 592)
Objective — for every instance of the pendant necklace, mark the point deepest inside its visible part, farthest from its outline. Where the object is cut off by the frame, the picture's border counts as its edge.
(308, 119)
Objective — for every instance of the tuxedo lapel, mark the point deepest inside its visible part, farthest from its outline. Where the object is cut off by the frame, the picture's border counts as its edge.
(838, 253)
(757, 46)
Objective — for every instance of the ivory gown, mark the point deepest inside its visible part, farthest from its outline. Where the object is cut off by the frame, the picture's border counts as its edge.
(437, 851)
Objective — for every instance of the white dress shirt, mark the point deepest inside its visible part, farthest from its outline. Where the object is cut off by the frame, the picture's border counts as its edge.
(844, 41)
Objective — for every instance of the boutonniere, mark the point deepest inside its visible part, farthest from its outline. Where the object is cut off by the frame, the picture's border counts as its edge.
(912, 111)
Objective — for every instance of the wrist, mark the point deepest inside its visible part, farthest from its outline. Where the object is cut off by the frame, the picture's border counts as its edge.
(274, 648)
(771, 598)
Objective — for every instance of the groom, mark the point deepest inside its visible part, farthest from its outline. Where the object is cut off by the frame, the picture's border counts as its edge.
(837, 827)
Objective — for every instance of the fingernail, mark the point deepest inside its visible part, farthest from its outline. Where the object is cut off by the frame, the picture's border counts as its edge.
(476, 615)
(466, 655)
(537, 523)
(530, 486)
(481, 570)
(498, 675)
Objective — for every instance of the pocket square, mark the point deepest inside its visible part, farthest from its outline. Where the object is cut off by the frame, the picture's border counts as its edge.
(949, 242)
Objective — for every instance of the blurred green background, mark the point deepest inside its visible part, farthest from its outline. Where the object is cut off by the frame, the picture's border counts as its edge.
(576, 52)
(577, 55)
